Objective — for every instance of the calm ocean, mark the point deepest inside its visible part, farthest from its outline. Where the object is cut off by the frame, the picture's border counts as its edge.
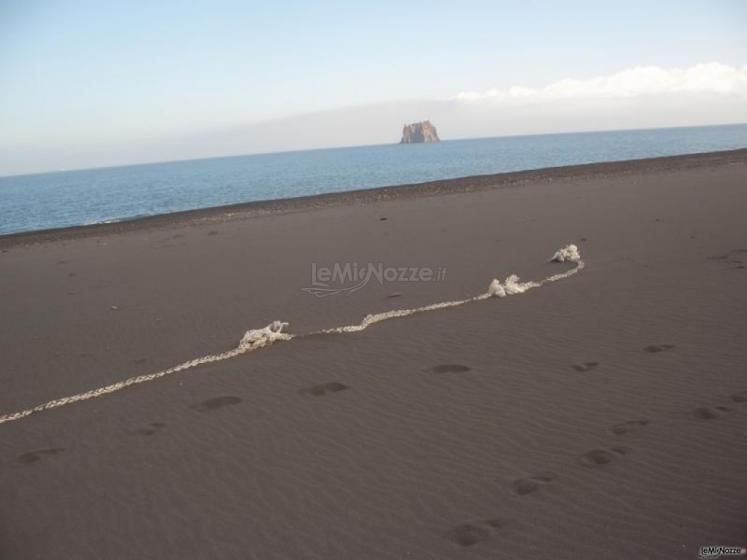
(69, 198)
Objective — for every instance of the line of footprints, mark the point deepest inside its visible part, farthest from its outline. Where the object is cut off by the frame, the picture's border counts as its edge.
(473, 532)
(206, 406)
(465, 534)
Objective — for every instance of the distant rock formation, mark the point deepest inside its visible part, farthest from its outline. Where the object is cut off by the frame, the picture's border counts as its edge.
(419, 133)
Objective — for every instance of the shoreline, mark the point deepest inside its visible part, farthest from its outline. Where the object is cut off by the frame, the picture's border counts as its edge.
(376, 194)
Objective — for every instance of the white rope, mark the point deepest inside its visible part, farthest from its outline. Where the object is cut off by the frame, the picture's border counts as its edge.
(252, 340)
(259, 338)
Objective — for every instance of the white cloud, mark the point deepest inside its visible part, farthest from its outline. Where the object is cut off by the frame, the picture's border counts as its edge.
(709, 78)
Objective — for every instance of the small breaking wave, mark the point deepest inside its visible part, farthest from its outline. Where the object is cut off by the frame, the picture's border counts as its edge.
(256, 339)
(116, 220)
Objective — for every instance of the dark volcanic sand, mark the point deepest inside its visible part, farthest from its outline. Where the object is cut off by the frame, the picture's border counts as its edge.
(604, 416)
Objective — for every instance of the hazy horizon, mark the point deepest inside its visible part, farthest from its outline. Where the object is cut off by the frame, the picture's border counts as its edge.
(373, 145)
(182, 81)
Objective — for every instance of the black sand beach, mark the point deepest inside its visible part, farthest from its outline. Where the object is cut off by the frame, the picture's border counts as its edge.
(603, 416)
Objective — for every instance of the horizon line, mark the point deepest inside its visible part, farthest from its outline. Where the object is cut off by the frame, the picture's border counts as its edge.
(355, 146)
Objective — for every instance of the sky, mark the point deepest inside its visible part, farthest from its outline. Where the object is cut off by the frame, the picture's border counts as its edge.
(97, 83)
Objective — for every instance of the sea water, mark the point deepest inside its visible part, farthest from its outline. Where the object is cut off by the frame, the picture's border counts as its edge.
(52, 200)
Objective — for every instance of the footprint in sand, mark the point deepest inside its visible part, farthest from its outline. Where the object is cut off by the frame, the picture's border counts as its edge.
(468, 534)
(151, 429)
(524, 486)
(586, 366)
(450, 368)
(629, 426)
(32, 457)
(739, 397)
(325, 389)
(213, 232)
(215, 403)
(733, 257)
(653, 348)
(704, 413)
(600, 457)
